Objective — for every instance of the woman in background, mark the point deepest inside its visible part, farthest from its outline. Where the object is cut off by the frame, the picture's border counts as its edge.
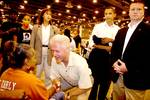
(40, 37)
(77, 40)
(72, 42)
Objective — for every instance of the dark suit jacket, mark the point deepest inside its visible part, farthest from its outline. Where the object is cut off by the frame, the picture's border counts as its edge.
(136, 56)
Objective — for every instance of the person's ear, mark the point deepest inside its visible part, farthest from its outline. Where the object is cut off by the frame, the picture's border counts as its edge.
(28, 67)
(26, 62)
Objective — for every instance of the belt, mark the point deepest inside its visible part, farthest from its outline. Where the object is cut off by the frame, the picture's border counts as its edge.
(44, 45)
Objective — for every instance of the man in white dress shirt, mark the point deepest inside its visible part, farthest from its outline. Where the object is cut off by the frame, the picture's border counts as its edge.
(100, 43)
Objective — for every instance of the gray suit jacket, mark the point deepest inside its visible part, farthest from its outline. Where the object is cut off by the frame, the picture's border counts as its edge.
(36, 42)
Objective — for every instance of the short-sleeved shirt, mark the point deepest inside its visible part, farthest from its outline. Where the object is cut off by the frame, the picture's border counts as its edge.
(13, 79)
(24, 36)
(103, 30)
(77, 73)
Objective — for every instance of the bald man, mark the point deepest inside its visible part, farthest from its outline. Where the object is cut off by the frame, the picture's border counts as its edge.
(70, 69)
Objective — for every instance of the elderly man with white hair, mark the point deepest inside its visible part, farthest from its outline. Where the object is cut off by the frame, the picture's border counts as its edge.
(70, 69)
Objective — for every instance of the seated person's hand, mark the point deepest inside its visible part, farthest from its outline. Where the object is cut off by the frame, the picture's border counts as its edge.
(56, 84)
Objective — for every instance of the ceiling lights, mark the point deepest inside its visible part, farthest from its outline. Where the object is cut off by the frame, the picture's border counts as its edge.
(69, 5)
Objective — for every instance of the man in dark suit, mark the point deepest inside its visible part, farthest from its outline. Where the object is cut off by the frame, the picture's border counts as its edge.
(129, 55)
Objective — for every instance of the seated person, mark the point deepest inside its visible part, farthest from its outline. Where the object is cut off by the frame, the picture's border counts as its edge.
(70, 69)
(18, 75)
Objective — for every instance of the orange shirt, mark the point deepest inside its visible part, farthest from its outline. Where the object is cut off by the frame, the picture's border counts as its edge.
(16, 79)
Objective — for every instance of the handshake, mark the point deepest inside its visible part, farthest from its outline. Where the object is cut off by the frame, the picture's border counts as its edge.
(59, 95)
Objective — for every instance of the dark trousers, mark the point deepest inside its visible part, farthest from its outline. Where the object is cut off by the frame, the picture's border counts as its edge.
(99, 63)
(103, 89)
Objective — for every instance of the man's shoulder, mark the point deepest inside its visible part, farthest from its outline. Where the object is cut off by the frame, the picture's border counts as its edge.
(116, 26)
(123, 28)
(77, 58)
(99, 24)
(73, 54)
(145, 25)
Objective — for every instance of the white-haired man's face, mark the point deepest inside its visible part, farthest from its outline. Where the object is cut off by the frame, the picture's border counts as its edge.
(60, 52)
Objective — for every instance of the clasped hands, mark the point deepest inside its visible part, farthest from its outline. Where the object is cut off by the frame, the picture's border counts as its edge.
(120, 67)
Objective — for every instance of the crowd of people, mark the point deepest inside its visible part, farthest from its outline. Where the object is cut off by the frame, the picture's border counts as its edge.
(117, 56)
